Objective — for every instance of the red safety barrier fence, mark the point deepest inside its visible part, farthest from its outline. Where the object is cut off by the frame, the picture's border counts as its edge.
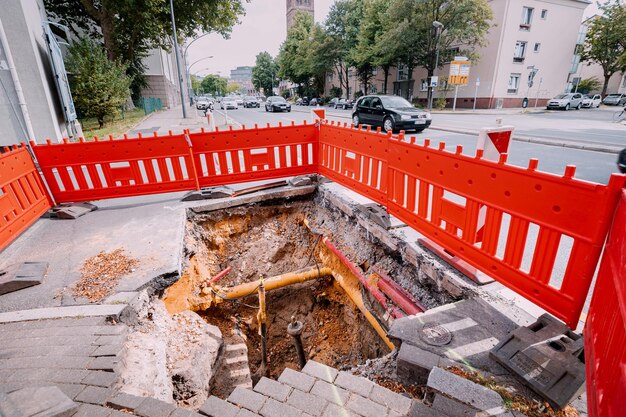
(605, 327)
(532, 217)
(23, 198)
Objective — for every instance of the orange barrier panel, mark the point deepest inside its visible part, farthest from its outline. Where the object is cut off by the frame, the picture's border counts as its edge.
(236, 156)
(86, 171)
(23, 198)
(605, 328)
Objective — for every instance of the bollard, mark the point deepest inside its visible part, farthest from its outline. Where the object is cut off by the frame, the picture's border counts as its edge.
(294, 329)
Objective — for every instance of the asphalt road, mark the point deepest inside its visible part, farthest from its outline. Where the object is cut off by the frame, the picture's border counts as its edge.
(591, 166)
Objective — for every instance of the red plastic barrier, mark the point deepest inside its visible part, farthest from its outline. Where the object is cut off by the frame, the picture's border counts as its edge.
(605, 328)
(23, 198)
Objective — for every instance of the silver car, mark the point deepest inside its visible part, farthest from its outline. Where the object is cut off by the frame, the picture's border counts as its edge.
(615, 99)
(566, 101)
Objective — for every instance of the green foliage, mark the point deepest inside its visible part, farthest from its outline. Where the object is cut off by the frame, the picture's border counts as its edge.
(100, 86)
(440, 103)
(605, 44)
(264, 73)
(233, 88)
(335, 91)
(589, 84)
(214, 84)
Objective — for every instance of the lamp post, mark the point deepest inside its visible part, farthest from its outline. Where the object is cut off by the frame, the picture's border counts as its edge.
(180, 74)
(438, 28)
(187, 68)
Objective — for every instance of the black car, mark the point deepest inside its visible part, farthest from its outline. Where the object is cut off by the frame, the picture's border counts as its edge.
(344, 104)
(251, 101)
(304, 101)
(621, 161)
(277, 103)
(392, 113)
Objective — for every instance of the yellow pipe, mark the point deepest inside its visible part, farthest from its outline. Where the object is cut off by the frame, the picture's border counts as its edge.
(273, 283)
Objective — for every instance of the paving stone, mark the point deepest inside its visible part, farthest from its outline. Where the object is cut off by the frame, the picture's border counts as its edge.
(71, 390)
(365, 407)
(318, 370)
(94, 395)
(109, 340)
(330, 392)
(273, 408)
(104, 363)
(110, 330)
(245, 413)
(100, 379)
(32, 374)
(151, 407)
(414, 364)
(47, 401)
(246, 398)
(77, 362)
(442, 404)
(90, 410)
(390, 399)
(122, 400)
(181, 412)
(69, 376)
(306, 402)
(419, 409)
(297, 379)
(107, 350)
(216, 407)
(333, 410)
(273, 389)
(358, 384)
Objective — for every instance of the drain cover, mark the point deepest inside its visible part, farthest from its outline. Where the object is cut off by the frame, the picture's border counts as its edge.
(435, 335)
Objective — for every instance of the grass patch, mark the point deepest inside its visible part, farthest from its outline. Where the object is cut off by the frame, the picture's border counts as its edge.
(116, 126)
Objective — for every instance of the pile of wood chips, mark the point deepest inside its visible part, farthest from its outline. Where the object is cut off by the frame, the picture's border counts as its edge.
(100, 274)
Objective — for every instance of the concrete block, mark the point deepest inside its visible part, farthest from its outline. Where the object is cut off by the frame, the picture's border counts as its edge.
(365, 407)
(181, 412)
(94, 395)
(273, 408)
(90, 410)
(216, 407)
(245, 413)
(302, 180)
(105, 363)
(151, 407)
(92, 310)
(390, 399)
(320, 371)
(297, 379)
(69, 376)
(271, 388)
(100, 379)
(419, 409)
(246, 398)
(330, 392)
(333, 410)
(22, 276)
(357, 384)
(111, 330)
(306, 402)
(453, 408)
(71, 211)
(40, 401)
(107, 350)
(414, 364)
(71, 390)
(123, 401)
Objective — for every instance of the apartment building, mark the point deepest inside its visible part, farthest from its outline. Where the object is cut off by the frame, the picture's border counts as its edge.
(162, 77)
(541, 36)
(243, 77)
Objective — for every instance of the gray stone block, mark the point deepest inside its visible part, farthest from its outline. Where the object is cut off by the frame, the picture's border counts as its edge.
(105, 363)
(330, 392)
(90, 410)
(357, 384)
(297, 379)
(69, 376)
(111, 330)
(273, 408)
(320, 371)
(100, 379)
(365, 407)
(246, 398)
(71, 390)
(94, 395)
(413, 365)
(123, 401)
(22, 276)
(306, 402)
(390, 399)
(271, 388)
(108, 350)
(419, 409)
(151, 407)
(215, 407)
(245, 413)
(451, 407)
(333, 410)
(36, 401)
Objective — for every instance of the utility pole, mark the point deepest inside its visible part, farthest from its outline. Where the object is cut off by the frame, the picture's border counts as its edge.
(438, 28)
(180, 74)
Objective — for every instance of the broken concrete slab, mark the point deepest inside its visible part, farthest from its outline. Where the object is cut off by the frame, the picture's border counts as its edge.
(376, 213)
(303, 180)
(47, 401)
(94, 310)
(547, 357)
(71, 211)
(209, 193)
(24, 275)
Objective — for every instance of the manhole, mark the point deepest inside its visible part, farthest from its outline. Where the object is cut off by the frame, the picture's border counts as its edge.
(435, 334)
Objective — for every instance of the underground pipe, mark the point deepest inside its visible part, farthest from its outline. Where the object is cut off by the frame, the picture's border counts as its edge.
(273, 283)
(294, 329)
(220, 275)
(397, 294)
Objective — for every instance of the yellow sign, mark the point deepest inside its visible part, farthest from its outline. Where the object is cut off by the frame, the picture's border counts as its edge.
(459, 72)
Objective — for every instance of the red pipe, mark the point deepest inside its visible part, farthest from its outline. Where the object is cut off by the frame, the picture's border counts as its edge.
(378, 296)
(398, 294)
(220, 275)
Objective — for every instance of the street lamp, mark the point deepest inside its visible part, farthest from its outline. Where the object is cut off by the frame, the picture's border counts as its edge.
(438, 28)
(180, 74)
(201, 59)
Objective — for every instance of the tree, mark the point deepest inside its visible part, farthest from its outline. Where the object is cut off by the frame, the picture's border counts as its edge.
(130, 28)
(264, 73)
(587, 85)
(233, 88)
(606, 40)
(214, 84)
(100, 86)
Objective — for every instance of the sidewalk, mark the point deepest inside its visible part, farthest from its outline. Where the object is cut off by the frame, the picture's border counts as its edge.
(172, 120)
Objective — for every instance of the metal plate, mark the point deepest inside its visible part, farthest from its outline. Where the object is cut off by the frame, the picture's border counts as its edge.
(435, 335)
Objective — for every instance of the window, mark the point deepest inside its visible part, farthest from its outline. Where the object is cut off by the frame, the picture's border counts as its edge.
(513, 83)
(424, 84)
(527, 18)
(350, 72)
(372, 89)
(537, 46)
(330, 77)
(367, 102)
(403, 72)
(376, 102)
(520, 51)
(544, 13)
(375, 71)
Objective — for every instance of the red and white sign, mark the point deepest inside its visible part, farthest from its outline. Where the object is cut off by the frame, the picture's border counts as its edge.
(494, 141)
(318, 113)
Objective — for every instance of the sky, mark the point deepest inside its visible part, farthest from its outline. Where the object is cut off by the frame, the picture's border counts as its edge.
(263, 28)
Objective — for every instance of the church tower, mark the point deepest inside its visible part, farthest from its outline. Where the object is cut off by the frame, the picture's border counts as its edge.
(294, 6)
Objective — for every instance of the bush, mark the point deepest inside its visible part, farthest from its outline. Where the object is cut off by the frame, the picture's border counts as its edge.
(440, 103)
(335, 91)
(100, 87)
(589, 84)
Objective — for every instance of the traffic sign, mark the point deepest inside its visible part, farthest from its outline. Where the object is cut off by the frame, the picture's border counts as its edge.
(434, 80)
(459, 71)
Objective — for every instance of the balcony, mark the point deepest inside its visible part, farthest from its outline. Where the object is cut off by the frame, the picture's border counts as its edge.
(524, 26)
(518, 59)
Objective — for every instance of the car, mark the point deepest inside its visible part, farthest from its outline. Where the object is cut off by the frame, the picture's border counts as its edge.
(202, 103)
(333, 102)
(592, 101)
(566, 101)
(615, 99)
(345, 104)
(229, 103)
(251, 101)
(304, 101)
(316, 102)
(621, 161)
(239, 100)
(392, 113)
(277, 103)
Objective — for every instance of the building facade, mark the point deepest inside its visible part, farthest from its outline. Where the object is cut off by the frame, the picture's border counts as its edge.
(243, 77)
(295, 6)
(162, 77)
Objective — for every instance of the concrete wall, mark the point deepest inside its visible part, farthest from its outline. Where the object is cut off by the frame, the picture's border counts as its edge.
(161, 76)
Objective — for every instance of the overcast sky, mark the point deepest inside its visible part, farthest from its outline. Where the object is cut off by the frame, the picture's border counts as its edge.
(263, 28)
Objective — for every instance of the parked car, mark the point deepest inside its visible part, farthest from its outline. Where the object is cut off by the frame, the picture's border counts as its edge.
(566, 101)
(303, 101)
(615, 99)
(592, 101)
(277, 103)
(202, 103)
(621, 161)
(229, 103)
(333, 102)
(345, 104)
(315, 102)
(251, 101)
(391, 113)
(239, 100)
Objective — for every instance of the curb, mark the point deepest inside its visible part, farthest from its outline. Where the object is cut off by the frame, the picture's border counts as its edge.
(93, 310)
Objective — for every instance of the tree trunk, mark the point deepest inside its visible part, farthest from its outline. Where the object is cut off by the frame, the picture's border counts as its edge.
(386, 70)
(347, 82)
(607, 77)
(106, 25)
(430, 89)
